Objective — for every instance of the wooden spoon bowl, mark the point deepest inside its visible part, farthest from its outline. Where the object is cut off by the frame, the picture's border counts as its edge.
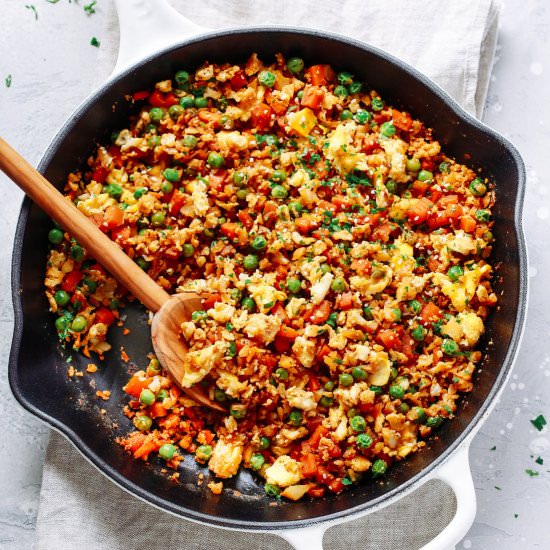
(170, 311)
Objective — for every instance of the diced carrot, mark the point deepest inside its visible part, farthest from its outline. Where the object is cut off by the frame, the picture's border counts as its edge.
(320, 75)
(238, 81)
(211, 300)
(389, 339)
(317, 492)
(270, 211)
(288, 332)
(261, 116)
(323, 352)
(448, 199)
(336, 485)
(105, 316)
(341, 201)
(229, 229)
(114, 217)
(313, 383)
(99, 174)
(363, 266)
(319, 314)
(309, 465)
(146, 449)
(135, 385)
(157, 410)
(430, 313)
(382, 232)
(419, 188)
(345, 301)
(135, 441)
(158, 99)
(141, 95)
(71, 280)
(316, 436)
(419, 210)
(401, 120)
(281, 343)
(245, 218)
(468, 224)
(305, 224)
(313, 97)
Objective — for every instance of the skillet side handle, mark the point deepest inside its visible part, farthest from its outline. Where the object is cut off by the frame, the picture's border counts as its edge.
(457, 474)
(148, 26)
(308, 538)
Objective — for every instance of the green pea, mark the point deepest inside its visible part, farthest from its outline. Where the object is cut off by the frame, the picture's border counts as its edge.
(379, 468)
(425, 175)
(387, 129)
(393, 372)
(219, 395)
(173, 175)
(434, 421)
(378, 390)
(187, 250)
(79, 324)
(376, 104)
(156, 114)
(397, 314)
(143, 263)
(396, 391)
(358, 373)
(455, 272)
(77, 252)
(256, 461)
(189, 141)
(147, 397)
(477, 187)
(249, 304)
(325, 268)
(150, 129)
(295, 417)
(483, 215)
(153, 141)
(215, 160)
(330, 385)
(345, 379)
(488, 236)
(278, 175)
(154, 366)
(158, 218)
(142, 423)
(345, 78)
(450, 347)
(295, 65)
(62, 298)
(367, 312)
(272, 490)
(415, 306)
(259, 243)
(201, 102)
(267, 78)
(332, 320)
(203, 452)
(162, 395)
(265, 443)
(341, 91)
(167, 451)
(295, 208)
(114, 190)
(231, 349)
(250, 262)
(278, 192)
(355, 87)
(55, 236)
(338, 284)
(363, 441)
(326, 401)
(139, 192)
(62, 323)
(346, 115)
(242, 194)
(166, 187)
(362, 116)
(300, 94)
(238, 411)
(418, 333)
(413, 165)
(358, 424)
(281, 373)
(420, 415)
(209, 233)
(239, 178)
(391, 186)
(187, 102)
(181, 78)
(444, 167)
(404, 408)
(175, 111)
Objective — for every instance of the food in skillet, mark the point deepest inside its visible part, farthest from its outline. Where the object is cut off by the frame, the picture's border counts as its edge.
(346, 257)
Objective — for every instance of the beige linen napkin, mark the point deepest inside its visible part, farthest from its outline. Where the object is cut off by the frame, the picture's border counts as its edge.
(452, 42)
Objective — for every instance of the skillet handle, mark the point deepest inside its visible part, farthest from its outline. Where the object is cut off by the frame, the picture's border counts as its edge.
(457, 475)
(148, 26)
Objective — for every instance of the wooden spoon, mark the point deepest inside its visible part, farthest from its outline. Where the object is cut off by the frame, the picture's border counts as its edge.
(170, 311)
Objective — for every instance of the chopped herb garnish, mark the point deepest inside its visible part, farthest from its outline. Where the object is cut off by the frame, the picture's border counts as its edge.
(539, 461)
(347, 481)
(531, 473)
(8, 80)
(33, 9)
(90, 8)
(498, 488)
(493, 448)
(539, 422)
(516, 516)
(95, 42)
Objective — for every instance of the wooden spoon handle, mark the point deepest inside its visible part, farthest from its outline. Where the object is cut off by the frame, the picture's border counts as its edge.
(63, 211)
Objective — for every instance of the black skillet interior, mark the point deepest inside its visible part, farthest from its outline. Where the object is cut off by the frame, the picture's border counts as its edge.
(38, 366)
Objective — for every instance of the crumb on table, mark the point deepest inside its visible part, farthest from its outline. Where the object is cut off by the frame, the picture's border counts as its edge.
(216, 488)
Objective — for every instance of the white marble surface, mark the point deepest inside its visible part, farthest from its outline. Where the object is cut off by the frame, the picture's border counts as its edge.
(53, 68)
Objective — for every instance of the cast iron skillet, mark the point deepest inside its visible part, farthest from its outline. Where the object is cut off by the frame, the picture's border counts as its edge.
(38, 365)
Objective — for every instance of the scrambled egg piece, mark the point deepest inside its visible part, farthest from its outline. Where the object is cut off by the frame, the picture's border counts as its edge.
(378, 280)
(95, 204)
(466, 329)
(462, 243)
(380, 367)
(265, 296)
(320, 289)
(341, 152)
(301, 399)
(396, 151)
(293, 307)
(304, 350)
(197, 364)
(231, 141)
(226, 458)
(230, 384)
(402, 260)
(285, 471)
(221, 313)
(261, 326)
(464, 289)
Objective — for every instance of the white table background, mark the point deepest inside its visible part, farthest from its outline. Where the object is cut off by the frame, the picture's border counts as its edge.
(53, 69)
